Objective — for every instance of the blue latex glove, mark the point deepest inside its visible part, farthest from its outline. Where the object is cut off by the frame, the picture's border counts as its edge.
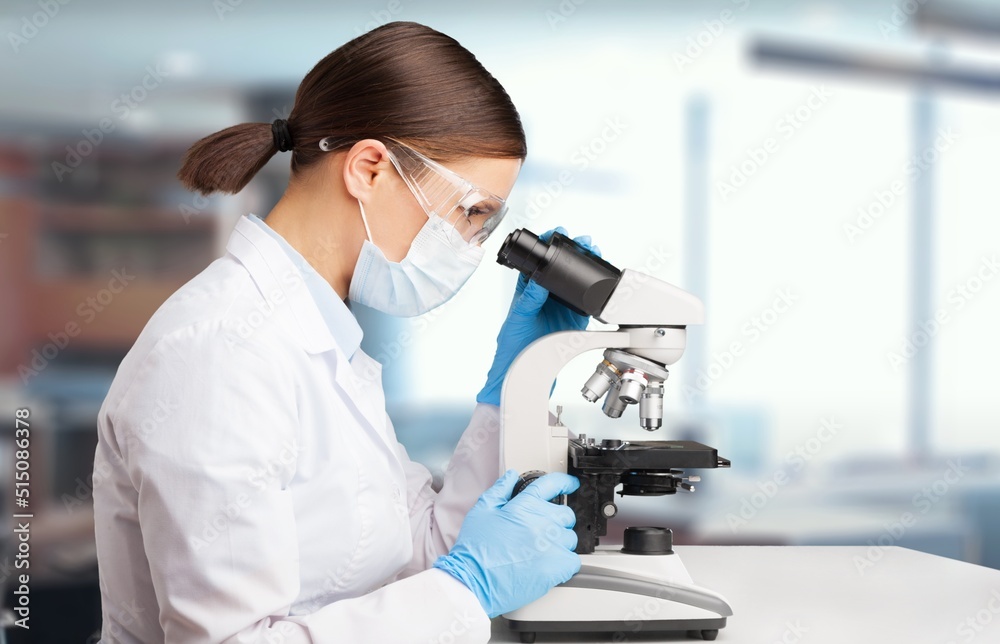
(532, 314)
(510, 552)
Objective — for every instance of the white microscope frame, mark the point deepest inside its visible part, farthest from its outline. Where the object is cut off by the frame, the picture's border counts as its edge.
(652, 316)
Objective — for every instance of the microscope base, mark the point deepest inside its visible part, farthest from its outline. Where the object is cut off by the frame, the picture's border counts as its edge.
(616, 592)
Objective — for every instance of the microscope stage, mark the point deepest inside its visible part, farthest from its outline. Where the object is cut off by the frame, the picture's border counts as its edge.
(644, 455)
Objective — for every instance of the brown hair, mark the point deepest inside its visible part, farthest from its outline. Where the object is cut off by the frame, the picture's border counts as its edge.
(401, 80)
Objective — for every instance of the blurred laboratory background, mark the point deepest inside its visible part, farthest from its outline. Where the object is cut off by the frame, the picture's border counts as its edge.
(822, 174)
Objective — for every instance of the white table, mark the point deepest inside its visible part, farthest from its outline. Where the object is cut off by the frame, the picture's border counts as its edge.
(816, 595)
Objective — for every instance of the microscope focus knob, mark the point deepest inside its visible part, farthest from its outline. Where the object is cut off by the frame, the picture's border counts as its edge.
(648, 540)
(526, 479)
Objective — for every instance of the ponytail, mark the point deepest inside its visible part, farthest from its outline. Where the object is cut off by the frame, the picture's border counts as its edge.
(401, 80)
(227, 160)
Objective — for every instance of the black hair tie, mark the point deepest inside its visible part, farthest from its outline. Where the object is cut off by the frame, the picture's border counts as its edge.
(282, 137)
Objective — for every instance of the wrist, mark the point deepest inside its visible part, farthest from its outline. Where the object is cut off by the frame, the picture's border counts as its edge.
(457, 566)
(488, 398)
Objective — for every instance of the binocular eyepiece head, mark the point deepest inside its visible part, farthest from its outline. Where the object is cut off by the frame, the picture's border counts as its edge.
(573, 276)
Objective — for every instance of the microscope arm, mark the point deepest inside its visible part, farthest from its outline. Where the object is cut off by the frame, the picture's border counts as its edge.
(528, 441)
(652, 318)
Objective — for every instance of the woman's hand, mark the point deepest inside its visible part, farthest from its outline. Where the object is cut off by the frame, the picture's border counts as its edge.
(532, 314)
(510, 552)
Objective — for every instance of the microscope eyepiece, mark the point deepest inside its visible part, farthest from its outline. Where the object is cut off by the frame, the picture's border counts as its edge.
(571, 274)
(522, 251)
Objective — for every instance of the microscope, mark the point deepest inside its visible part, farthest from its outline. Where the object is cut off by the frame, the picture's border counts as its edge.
(642, 586)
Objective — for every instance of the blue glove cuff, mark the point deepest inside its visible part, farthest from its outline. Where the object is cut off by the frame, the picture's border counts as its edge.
(489, 394)
(458, 567)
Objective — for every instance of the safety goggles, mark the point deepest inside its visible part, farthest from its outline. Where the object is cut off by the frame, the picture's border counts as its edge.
(472, 212)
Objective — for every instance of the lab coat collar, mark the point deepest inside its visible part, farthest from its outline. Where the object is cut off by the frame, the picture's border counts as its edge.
(271, 268)
(337, 316)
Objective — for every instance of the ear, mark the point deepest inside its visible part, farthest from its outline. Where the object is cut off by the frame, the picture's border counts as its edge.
(364, 164)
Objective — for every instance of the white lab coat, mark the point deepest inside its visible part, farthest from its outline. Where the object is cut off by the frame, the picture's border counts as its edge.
(248, 484)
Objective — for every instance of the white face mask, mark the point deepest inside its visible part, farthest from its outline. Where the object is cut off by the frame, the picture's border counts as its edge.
(431, 273)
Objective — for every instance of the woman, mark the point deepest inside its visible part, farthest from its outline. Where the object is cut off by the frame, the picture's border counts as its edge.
(252, 488)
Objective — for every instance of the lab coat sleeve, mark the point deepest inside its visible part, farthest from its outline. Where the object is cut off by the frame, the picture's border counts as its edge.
(436, 517)
(208, 427)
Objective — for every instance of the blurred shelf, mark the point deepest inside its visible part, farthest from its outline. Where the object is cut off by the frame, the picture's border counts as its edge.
(73, 229)
(122, 220)
(104, 318)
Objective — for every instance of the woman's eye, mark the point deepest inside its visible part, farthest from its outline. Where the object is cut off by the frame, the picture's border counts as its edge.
(477, 211)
